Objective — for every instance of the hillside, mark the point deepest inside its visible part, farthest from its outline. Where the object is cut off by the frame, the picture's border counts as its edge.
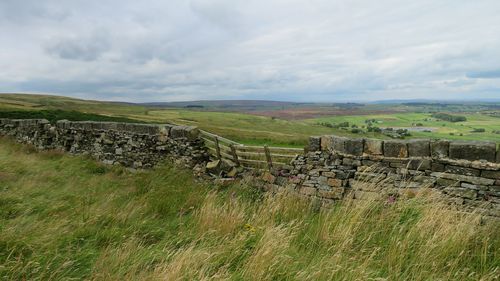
(291, 126)
(68, 217)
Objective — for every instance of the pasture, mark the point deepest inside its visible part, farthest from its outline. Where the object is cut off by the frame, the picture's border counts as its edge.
(68, 217)
(253, 129)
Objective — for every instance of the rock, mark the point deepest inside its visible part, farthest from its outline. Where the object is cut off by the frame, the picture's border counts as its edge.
(335, 182)
(354, 146)
(393, 148)
(213, 166)
(491, 174)
(461, 192)
(326, 143)
(462, 171)
(314, 143)
(337, 193)
(374, 147)
(338, 144)
(470, 179)
(473, 151)
(439, 148)
(268, 177)
(233, 172)
(306, 190)
(419, 148)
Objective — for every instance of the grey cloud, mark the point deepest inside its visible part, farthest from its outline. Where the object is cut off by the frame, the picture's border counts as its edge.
(75, 48)
(322, 50)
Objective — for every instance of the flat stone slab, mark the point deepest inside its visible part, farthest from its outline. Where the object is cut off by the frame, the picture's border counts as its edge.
(470, 179)
(374, 147)
(393, 148)
(473, 151)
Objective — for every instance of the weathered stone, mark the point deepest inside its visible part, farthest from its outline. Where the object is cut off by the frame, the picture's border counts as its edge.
(473, 151)
(374, 147)
(447, 182)
(470, 179)
(306, 190)
(461, 192)
(314, 143)
(491, 174)
(338, 144)
(328, 174)
(326, 143)
(440, 148)
(336, 193)
(437, 167)
(351, 162)
(354, 147)
(462, 170)
(335, 182)
(419, 148)
(419, 164)
(268, 177)
(393, 148)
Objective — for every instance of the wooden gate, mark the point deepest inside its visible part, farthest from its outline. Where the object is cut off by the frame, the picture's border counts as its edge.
(249, 156)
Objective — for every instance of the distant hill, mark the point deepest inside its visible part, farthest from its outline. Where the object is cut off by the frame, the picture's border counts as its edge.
(236, 105)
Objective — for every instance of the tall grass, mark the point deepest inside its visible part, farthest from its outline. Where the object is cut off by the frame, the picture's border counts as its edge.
(66, 217)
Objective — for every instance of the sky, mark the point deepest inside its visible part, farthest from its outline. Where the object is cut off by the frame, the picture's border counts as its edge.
(290, 50)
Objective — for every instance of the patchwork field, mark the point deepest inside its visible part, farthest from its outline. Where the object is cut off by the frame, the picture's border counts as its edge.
(264, 127)
(69, 218)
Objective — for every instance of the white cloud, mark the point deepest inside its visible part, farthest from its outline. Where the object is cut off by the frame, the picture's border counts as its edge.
(318, 50)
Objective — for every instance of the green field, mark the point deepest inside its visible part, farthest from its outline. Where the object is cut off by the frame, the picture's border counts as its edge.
(67, 217)
(253, 129)
(440, 129)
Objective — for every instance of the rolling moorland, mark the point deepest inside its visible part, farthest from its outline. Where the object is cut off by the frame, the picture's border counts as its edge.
(278, 123)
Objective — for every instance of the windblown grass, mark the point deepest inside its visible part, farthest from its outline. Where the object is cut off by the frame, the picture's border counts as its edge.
(64, 217)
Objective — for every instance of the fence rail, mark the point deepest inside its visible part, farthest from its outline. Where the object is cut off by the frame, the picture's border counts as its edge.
(249, 156)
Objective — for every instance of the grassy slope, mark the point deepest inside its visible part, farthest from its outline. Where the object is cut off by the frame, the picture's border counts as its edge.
(251, 129)
(67, 217)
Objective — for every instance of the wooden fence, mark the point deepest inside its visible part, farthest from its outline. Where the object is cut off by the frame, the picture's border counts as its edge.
(256, 157)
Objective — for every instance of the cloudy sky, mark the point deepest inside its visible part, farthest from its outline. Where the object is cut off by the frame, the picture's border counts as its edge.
(309, 50)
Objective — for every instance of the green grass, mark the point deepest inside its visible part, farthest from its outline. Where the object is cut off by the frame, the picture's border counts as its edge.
(66, 217)
(53, 115)
(442, 129)
(258, 130)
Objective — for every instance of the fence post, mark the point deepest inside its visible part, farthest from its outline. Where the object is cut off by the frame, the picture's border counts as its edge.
(217, 148)
(235, 156)
(268, 157)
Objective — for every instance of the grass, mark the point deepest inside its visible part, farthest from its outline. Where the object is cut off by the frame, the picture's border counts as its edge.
(68, 217)
(259, 130)
(55, 114)
(441, 129)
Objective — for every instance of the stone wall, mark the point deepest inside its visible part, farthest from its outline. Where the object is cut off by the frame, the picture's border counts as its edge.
(466, 173)
(131, 145)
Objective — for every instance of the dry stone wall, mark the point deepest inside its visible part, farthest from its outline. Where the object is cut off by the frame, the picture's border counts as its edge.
(131, 145)
(466, 173)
